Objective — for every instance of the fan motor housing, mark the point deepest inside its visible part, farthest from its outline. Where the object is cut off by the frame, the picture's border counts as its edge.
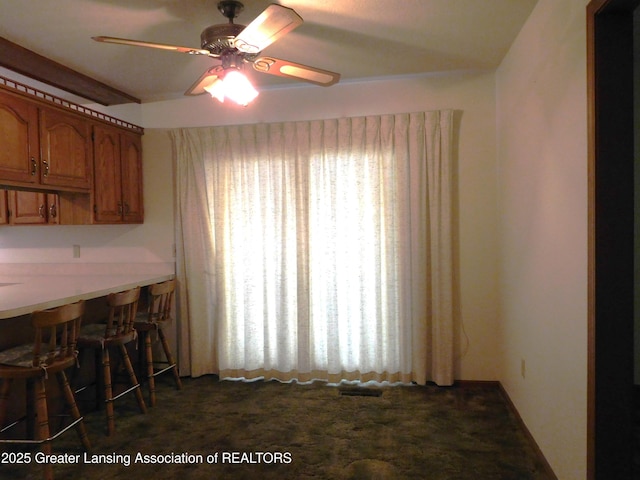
(218, 39)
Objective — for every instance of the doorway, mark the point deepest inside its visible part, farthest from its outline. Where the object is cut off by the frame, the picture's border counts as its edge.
(610, 448)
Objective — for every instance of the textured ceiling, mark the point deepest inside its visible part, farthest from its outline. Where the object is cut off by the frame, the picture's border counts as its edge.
(357, 38)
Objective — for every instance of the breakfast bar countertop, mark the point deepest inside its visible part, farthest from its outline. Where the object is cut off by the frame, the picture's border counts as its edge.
(23, 294)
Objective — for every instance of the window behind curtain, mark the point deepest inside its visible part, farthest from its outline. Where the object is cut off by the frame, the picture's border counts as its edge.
(313, 255)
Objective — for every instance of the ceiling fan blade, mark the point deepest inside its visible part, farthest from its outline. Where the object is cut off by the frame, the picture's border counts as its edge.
(273, 23)
(285, 68)
(205, 80)
(163, 46)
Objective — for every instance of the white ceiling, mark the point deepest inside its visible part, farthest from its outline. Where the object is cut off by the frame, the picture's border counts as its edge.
(357, 38)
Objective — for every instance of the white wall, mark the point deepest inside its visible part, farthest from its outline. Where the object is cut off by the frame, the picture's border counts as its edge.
(542, 197)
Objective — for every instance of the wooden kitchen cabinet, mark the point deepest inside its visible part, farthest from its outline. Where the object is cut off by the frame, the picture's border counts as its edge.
(49, 145)
(39, 208)
(43, 146)
(65, 144)
(117, 176)
(33, 208)
(20, 152)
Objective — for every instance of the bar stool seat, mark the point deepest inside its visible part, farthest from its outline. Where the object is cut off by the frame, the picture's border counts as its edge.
(117, 332)
(158, 316)
(52, 352)
(95, 333)
(20, 356)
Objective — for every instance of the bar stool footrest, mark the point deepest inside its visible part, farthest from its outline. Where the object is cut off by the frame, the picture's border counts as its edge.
(123, 393)
(43, 440)
(163, 370)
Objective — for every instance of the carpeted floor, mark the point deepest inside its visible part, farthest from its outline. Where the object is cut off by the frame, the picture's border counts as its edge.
(271, 430)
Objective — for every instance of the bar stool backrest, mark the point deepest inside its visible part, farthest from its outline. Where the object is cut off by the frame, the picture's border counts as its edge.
(56, 334)
(123, 307)
(161, 301)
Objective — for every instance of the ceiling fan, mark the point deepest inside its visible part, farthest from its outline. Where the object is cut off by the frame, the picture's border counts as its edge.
(236, 45)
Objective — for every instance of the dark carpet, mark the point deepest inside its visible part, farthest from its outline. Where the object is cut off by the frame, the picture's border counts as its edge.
(269, 430)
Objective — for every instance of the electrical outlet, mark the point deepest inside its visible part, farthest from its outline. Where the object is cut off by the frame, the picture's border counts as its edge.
(76, 251)
(523, 368)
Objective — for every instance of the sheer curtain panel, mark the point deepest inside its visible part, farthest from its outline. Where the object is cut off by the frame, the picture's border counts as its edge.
(317, 250)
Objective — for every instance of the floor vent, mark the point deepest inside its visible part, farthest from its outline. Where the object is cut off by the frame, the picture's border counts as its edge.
(361, 392)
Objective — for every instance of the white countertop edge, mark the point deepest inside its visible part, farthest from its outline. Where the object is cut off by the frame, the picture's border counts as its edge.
(22, 295)
(85, 268)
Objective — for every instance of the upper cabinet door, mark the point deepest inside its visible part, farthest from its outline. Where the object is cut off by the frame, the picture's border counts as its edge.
(19, 152)
(65, 141)
(107, 201)
(131, 167)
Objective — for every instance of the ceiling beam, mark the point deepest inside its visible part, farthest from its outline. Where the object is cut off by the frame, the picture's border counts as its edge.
(35, 66)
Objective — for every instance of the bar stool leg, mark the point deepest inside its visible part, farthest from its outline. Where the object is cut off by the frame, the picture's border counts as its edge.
(73, 407)
(41, 412)
(149, 359)
(108, 391)
(133, 378)
(43, 423)
(167, 353)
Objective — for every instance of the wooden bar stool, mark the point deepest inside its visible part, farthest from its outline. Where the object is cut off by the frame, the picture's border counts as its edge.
(52, 352)
(118, 332)
(158, 315)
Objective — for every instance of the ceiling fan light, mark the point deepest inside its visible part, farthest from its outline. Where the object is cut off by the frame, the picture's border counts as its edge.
(216, 90)
(238, 88)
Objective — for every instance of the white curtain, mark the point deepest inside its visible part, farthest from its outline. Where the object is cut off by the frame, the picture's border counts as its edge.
(317, 250)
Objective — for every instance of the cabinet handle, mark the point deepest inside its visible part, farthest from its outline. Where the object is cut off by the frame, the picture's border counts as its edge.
(119, 208)
(41, 211)
(34, 166)
(46, 168)
(53, 211)
(126, 208)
